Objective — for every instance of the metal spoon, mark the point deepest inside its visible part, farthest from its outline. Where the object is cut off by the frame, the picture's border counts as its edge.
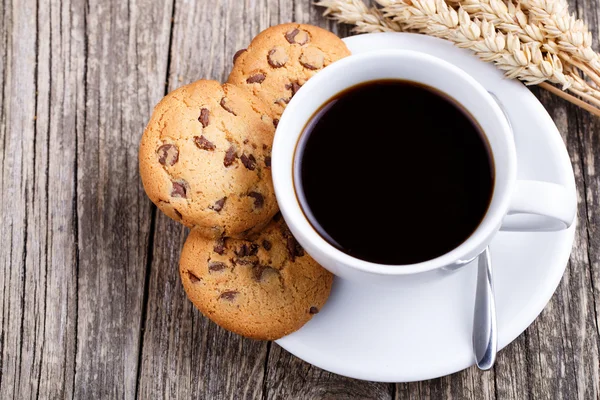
(485, 335)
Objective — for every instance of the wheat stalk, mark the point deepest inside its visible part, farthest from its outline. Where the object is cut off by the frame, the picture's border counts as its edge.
(505, 34)
(355, 12)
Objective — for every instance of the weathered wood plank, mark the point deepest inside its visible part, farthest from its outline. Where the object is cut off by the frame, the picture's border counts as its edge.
(288, 377)
(184, 354)
(59, 104)
(125, 57)
(38, 350)
(468, 384)
(588, 339)
(562, 344)
(511, 379)
(588, 374)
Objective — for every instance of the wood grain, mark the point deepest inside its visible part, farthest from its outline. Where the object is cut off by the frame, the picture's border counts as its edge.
(21, 258)
(92, 306)
(183, 353)
(126, 59)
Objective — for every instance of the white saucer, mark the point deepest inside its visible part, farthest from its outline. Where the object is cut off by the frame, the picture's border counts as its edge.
(418, 331)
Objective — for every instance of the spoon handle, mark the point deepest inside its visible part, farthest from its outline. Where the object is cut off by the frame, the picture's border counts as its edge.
(485, 337)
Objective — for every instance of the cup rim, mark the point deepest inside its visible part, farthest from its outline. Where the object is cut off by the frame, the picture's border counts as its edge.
(283, 165)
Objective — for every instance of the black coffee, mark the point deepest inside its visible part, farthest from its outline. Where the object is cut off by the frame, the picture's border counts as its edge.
(393, 172)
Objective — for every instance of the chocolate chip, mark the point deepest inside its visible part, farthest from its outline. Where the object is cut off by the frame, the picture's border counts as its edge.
(229, 295)
(168, 154)
(204, 117)
(294, 247)
(258, 271)
(237, 54)
(203, 143)
(277, 217)
(267, 245)
(246, 250)
(242, 251)
(261, 271)
(294, 87)
(268, 161)
(248, 161)
(277, 57)
(297, 36)
(179, 190)
(299, 250)
(312, 58)
(264, 146)
(216, 266)
(193, 278)
(218, 206)
(259, 200)
(256, 78)
(253, 249)
(226, 107)
(308, 65)
(290, 35)
(275, 122)
(282, 101)
(313, 310)
(219, 246)
(244, 261)
(230, 156)
(178, 214)
(247, 232)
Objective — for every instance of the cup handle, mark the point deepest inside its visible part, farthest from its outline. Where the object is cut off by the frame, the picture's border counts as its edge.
(540, 207)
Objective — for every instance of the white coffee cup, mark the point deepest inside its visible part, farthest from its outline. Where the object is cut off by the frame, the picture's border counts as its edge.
(516, 205)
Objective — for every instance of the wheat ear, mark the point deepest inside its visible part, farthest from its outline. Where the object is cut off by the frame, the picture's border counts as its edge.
(509, 18)
(570, 33)
(355, 12)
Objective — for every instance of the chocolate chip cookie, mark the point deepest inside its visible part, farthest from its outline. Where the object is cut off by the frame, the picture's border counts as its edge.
(263, 288)
(281, 59)
(205, 159)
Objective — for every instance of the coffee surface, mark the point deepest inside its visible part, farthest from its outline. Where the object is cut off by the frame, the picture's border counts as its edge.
(393, 172)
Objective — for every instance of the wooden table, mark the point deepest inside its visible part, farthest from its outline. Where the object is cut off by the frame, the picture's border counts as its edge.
(92, 306)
